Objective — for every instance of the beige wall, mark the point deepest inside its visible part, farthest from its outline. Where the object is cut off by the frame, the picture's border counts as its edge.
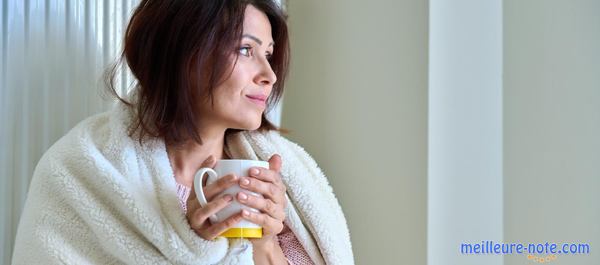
(552, 124)
(357, 101)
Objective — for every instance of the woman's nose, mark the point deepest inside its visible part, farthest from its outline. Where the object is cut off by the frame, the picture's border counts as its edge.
(266, 76)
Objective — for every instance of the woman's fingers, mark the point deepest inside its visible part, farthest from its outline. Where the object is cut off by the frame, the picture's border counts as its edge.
(217, 229)
(219, 186)
(210, 191)
(265, 205)
(199, 220)
(266, 181)
(270, 225)
(269, 190)
(201, 215)
(192, 203)
(275, 163)
(263, 181)
(265, 175)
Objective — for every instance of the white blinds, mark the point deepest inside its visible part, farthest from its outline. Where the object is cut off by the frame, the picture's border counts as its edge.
(53, 54)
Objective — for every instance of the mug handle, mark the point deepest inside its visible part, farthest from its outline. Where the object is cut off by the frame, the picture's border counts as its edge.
(212, 174)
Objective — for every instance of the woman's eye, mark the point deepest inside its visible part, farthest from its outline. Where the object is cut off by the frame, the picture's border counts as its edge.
(245, 51)
(269, 56)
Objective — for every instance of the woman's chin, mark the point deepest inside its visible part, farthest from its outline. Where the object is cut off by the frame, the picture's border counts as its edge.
(249, 126)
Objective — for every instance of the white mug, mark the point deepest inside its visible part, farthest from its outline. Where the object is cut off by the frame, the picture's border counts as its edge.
(240, 168)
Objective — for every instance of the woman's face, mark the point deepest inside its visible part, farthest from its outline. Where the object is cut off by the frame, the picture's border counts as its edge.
(240, 100)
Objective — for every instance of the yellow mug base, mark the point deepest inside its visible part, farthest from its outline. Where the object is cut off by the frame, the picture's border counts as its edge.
(243, 232)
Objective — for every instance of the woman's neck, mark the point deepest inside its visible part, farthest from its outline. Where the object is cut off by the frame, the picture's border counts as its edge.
(187, 158)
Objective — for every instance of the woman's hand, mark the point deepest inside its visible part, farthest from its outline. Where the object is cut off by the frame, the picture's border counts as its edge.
(268, 183)
(198, 217)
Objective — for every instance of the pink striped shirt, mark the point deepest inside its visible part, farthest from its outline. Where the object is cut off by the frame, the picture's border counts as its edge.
(291, 247)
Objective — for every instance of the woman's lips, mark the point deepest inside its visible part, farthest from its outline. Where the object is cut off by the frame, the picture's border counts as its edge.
(258, 99)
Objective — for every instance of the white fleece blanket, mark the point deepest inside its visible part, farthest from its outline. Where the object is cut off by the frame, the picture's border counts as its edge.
(98, 197)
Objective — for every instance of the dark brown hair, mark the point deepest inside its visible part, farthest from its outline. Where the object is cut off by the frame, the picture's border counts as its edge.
(179, 51)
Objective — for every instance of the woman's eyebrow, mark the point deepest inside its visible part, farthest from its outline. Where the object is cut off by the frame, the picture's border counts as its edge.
(257, 40)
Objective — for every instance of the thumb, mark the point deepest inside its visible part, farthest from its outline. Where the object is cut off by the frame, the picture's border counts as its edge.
(275, 162)
(209, 162)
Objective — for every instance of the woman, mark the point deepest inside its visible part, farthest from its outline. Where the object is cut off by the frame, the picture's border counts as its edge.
(116, 188)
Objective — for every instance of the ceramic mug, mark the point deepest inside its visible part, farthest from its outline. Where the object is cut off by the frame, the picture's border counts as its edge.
(240, 168)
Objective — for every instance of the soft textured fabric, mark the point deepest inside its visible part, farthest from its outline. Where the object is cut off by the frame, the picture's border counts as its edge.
(100, 197)
(291, 247)
(183, 192)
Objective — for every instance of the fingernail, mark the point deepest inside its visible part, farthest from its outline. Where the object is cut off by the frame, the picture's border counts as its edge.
(233, 178)
(245, 213)
(245, 182)
(228, 198)
(243, 196)
(254, 171)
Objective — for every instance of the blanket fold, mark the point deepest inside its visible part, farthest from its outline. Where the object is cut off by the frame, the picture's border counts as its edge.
(99, 197)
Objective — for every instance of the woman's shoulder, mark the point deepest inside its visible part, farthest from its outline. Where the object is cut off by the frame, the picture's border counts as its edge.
(90, 139)
(93, 125)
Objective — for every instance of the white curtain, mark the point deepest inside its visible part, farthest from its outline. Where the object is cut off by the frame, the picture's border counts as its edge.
(53, 55)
